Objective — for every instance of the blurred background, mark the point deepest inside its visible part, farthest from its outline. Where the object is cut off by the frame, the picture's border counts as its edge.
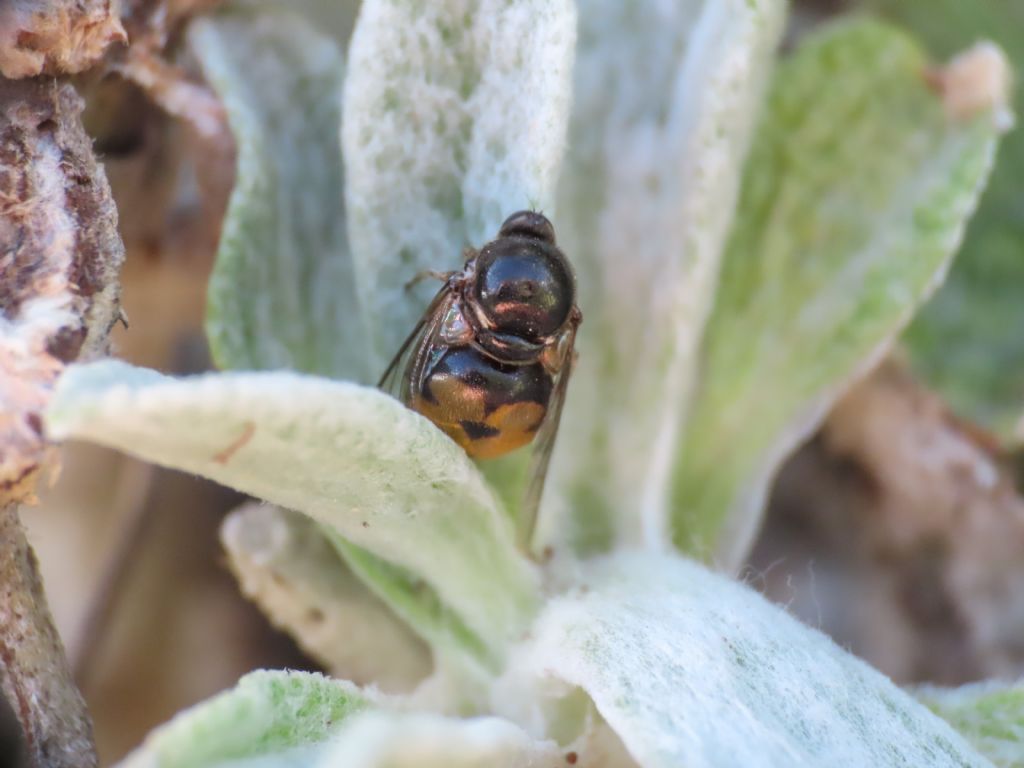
(898, 529)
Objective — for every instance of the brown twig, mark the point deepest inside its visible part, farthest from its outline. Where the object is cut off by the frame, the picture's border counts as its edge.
(59, 258)
(34, 676)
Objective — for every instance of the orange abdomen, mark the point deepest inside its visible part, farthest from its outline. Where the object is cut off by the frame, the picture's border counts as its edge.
(488, 408)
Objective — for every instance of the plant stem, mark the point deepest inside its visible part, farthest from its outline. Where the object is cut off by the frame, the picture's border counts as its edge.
(34, 675)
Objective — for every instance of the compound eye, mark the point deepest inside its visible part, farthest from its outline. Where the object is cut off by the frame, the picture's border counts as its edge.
(528, 224)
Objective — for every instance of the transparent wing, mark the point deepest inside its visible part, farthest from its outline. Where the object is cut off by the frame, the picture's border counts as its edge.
(544, 444)
(393, 379)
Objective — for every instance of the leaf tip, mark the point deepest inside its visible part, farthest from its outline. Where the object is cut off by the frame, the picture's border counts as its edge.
(977, 81)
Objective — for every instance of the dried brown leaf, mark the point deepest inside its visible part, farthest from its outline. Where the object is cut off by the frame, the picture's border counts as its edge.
(56, 36)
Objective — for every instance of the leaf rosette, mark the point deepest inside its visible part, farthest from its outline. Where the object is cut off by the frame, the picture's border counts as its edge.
(729, 297)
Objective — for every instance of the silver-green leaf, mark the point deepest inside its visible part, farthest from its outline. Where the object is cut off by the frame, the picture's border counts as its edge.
(301, 720)
(966, 341)
(989, 715)
(282, 293)
(664, 102)
(692, 669)
(352, 458)
(855, 198)
(287, 564)
(287, 714)
(391, 740)
(455, 116)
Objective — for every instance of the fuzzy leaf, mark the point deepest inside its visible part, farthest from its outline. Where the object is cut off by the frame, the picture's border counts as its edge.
(966, 341)
(287, 564)
(302, 720)
(282, 293)
(664, 103)
(352, 458)
(387, 740)
(692, 669)
(268, 713)
(406, 595)
(989, 715)
(854, 200)
(455, 116)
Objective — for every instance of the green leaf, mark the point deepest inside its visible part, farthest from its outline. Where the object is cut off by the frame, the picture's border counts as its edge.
(350, 457)
(409, 597)
(302, 720)
(287, 564)
(989, 715)
(282, 293)
(692, 669)
(664, 103)
(855, 198)
(455, 116)
(966, 341)
(267, 713)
